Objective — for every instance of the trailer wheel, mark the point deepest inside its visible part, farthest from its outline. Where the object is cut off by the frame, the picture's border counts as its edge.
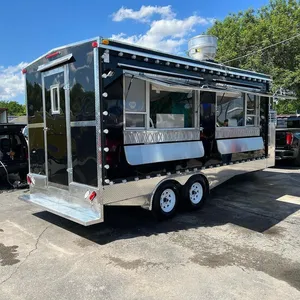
(165, 200)
(195, 192)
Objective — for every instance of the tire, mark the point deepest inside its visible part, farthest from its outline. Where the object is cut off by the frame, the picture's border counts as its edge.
(195, 192)
(165, 200)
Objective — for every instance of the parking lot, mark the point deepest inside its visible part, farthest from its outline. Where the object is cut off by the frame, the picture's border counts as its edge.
(244, 244)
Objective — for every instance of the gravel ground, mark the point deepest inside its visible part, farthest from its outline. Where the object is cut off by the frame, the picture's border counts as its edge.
(243, 244)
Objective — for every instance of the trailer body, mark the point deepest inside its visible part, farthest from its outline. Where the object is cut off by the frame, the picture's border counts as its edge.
(109, 123)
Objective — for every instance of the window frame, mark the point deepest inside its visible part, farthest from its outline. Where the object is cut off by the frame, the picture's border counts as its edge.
(125, 112)
(195, 113)
(244, 96)
(52, 91)
(256, 109)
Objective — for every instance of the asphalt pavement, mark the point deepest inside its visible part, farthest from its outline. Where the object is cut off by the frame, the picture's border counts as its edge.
(244, 244)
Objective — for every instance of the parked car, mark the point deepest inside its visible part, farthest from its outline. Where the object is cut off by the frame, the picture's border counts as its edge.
(13, 151)
(288, 138)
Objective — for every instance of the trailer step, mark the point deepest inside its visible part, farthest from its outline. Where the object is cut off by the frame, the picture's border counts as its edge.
(72, 211)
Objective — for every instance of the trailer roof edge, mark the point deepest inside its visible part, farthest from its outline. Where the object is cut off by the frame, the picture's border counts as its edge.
(62, 47)
(188, 60)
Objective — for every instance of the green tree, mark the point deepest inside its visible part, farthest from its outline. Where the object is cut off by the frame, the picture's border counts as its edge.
(244, 34)
(14, 108)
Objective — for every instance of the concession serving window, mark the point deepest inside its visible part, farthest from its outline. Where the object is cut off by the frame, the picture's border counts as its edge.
(161, 118)
(160, 108)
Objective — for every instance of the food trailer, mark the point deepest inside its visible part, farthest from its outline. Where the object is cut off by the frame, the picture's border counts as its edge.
(111, 123)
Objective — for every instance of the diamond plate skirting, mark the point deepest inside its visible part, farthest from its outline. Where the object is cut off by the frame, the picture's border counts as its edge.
(231, 132)
(160, 136)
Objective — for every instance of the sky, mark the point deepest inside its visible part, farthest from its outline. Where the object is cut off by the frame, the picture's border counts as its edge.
(30, 28)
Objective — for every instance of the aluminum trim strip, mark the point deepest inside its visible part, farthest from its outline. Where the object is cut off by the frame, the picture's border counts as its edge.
(233, 132)
(229, 146)
(160, 136)
(199, 65)
(98, 116)
(55, 62)
(68, 127)
(45, 126)
(154, 153)
(83, 123)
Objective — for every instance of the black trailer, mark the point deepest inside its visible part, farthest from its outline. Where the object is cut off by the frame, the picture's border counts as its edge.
(115, 124)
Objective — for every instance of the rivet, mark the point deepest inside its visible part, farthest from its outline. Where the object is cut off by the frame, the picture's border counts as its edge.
(106, 167)
(157, 61)
(167, 63)
(121, 54)
(186, 67)
(146, 59)
(105, 113)
(124, 181)
(133, 56)
(195, 69)
(177, 65)
(107, 181)
(106, 149)
(105, 131)
(104, 95)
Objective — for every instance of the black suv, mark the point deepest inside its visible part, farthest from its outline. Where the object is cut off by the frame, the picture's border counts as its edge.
(13, 151)
(288, 138)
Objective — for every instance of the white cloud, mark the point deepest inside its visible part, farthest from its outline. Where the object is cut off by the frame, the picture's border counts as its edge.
(143, 14)
(11, 81)
(167, 35)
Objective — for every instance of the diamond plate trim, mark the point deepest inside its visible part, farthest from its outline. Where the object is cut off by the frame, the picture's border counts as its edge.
(230, 132)
(156, 136)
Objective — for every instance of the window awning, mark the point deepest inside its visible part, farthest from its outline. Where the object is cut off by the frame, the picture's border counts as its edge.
(159, 82)
(173, 83)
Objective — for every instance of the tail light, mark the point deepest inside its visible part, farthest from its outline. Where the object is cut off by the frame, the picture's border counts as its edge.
(289, 138)
(92, 196)
(30, 180)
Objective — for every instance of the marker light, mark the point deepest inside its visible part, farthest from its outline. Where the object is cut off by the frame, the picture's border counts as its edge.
(105, 42)
(52, 54)
(92, 195)
(94, 44)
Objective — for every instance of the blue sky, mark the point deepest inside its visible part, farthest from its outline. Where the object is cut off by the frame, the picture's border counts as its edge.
(30, 28)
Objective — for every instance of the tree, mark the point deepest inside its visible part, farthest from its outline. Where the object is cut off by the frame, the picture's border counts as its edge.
(14, 108)
(242, 35)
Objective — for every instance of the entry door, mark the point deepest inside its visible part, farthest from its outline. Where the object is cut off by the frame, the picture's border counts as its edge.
(55, 112)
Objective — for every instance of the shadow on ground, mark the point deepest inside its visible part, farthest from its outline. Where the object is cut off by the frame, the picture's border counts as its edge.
(249, 201)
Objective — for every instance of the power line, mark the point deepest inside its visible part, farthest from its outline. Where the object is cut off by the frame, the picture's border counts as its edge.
(262, 49)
